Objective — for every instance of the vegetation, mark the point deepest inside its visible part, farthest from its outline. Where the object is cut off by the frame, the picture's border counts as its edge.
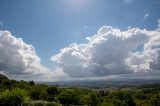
(22, 93)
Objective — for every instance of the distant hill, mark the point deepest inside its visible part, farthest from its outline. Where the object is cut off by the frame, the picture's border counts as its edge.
(5, 81)
(103, 83)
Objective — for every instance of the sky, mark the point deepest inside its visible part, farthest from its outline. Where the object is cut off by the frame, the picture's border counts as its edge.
(79, 39)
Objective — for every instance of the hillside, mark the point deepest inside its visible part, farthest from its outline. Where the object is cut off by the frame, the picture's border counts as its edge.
(22, 93)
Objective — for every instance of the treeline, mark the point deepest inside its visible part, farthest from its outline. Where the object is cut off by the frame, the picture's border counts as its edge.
(22, 93)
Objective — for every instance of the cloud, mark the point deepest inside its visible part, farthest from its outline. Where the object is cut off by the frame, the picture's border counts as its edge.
(129, 27)
(18, 59)
(158, 21)
(128, 1)
(1, 23)
(112, 52)
(146, 16)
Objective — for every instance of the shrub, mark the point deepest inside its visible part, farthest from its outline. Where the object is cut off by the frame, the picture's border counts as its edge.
(13, 97)
(129, 100)
(52, 90)
(51, 93)
(69, 97)
(41, 103)
(155, 100)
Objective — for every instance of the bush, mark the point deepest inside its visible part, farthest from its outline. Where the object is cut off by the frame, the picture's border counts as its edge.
(41, 103)
(94, 99)
(106, 104)
(155, 100)
(140, 95)
(51, 93)
(52, 90)
(129, 100)
(69, 97)
(13, 97)
(37, 92)
(117, 102)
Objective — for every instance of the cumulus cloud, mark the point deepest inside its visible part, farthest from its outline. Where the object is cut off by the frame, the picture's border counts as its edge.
(112, 52)
(18, 58)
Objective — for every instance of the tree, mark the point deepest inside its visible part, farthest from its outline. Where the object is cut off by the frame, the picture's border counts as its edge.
(155, 100)
(14, 97)
(130, 101)
(52, 90)
(31, 83)
(94, 99)
(69, 97)
(51, 93)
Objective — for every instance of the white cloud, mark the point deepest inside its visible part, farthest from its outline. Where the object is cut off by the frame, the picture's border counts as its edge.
(146, 16)
(18, 59)
(158, 23)
(1, 23)
(112, 52)
(129, 27)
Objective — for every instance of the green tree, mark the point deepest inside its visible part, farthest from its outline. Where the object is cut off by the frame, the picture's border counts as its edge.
(14, 97)
(31, 83)
(129, 100)
(52, 90)
(69, 97)
(94, 99)
(155, 100)
(35, 93)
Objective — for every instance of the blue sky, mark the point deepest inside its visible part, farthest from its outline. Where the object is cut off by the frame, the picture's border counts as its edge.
(50, 25)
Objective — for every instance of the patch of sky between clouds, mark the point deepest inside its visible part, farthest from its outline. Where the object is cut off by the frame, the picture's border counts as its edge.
(139, 48)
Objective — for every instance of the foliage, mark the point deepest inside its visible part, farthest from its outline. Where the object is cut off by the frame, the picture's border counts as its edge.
(23, 93)
(40, 103)
(68, 97)
(14, 97)
(155, 100)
